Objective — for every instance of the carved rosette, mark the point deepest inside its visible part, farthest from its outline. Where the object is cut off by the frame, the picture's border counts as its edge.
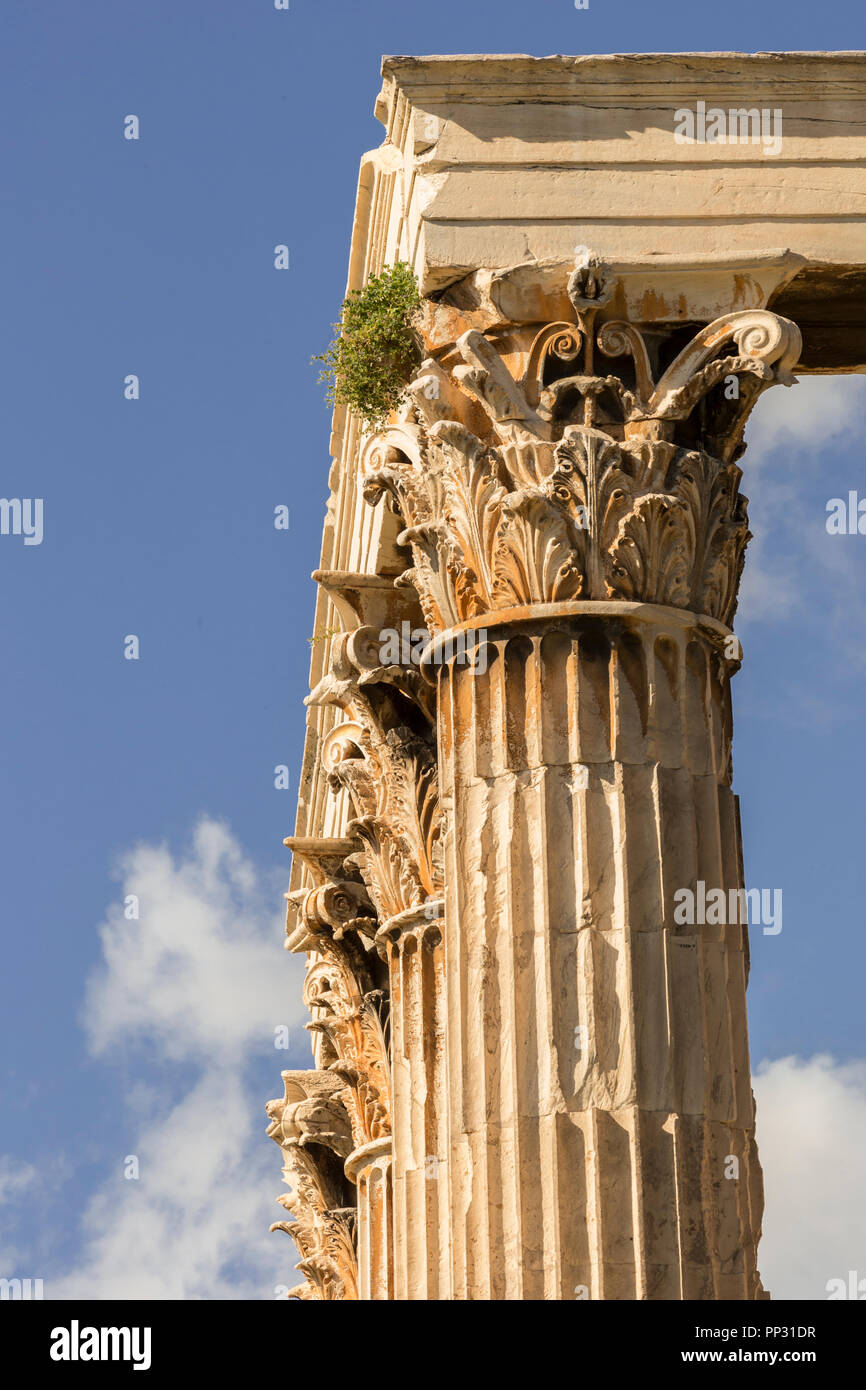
(581, 486)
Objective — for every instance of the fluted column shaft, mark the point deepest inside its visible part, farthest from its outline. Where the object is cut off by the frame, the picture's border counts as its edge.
(370, 1168)
(415, 950)
(597, 1052)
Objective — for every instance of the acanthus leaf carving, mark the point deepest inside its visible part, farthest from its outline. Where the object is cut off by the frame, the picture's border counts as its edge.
(345, 991)
(649, 558)
(533, 555)
(393, 786)
(383, 754)
(308, 1126)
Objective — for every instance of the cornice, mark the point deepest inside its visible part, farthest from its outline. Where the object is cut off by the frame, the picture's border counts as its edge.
(502, 79)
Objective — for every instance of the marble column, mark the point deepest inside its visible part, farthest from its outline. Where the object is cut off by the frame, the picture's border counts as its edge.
(577, 538)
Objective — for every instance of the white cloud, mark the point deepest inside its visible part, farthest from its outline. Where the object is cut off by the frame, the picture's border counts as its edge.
(194, 1225)
(198, 980)
(198, 974)
(769, 588)
(801, 452)
(811, 1131)
(807, 416)
(15, 1177)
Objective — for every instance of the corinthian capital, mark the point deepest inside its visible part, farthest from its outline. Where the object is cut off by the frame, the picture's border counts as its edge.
(538, 479)
(346, 992)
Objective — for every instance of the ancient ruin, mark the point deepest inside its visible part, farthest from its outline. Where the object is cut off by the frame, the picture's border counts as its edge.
(529, 1080)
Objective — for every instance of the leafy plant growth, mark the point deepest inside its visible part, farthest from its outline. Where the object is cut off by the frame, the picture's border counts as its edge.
(376, 348)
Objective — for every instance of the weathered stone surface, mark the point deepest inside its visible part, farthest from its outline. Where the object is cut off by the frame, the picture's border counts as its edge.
(532, 1079)
(491, 156)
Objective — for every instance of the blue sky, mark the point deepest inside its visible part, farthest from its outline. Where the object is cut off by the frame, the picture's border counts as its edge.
(155, 257)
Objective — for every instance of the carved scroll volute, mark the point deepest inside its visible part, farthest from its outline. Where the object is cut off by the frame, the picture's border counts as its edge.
(768, 347)
(311, 1111)
(311, 1127)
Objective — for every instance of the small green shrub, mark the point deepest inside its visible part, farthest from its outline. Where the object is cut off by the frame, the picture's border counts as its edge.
(375, 351)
